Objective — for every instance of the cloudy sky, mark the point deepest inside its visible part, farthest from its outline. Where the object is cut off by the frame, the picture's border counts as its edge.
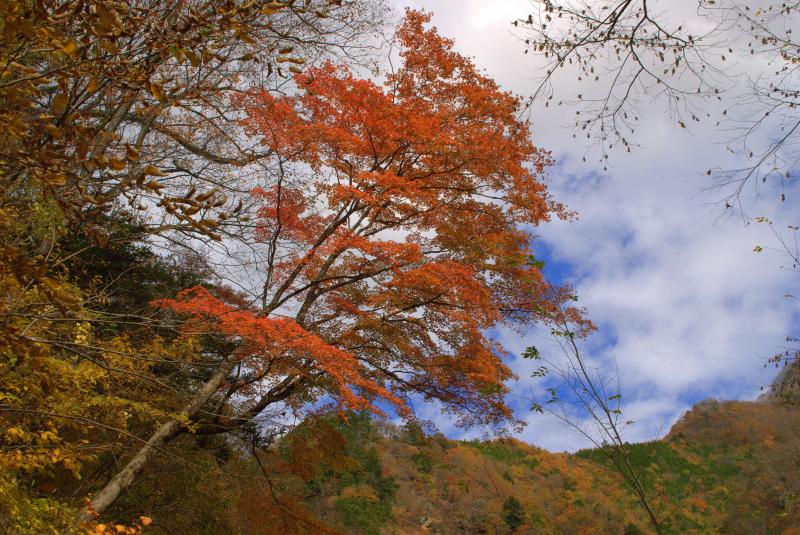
(684, 305)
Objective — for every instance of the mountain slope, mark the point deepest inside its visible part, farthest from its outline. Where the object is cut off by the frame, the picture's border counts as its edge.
(725, 467)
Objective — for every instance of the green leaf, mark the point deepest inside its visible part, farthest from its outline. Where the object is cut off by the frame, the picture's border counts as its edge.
(531, 353)
(538, 264)
(541, 371)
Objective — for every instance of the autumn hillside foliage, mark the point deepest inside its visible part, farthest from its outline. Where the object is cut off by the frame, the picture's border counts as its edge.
(212, 226)
(725, 467)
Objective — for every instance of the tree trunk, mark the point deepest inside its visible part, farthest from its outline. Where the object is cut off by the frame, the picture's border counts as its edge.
(163, 434)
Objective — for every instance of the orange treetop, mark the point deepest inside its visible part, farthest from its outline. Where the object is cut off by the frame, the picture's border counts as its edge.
(393, 234)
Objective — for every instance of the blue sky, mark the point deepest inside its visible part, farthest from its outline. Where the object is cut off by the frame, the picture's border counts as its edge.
(684, 305)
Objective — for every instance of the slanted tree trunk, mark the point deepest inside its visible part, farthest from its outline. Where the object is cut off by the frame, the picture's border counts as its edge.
(125, 477)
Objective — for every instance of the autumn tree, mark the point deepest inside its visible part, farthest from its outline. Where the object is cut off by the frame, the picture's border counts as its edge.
(513, 513)
(125, 107)
(387, 242)
(738, 58)
(118, 136)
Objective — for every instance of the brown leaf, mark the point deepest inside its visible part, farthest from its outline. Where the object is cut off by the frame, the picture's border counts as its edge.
(60, 102)
(154, 171)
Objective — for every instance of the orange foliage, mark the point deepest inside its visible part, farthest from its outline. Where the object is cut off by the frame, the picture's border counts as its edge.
(279, 345)
(94, 527)
(393, 231)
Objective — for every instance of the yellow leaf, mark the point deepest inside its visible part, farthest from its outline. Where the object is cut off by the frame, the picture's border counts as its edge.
(109, 47)
(15, 433)
(194, 59)
(56, 179)
(154, 186)
(157, 92)
(108, 17)
(49, 436)
(92, 86)
(53, 130)
(145, 520)
(70, 48)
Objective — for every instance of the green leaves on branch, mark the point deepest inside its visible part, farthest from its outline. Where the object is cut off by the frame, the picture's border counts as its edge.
(531, 353)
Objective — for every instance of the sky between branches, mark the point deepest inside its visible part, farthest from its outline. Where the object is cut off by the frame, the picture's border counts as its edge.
(683, 303)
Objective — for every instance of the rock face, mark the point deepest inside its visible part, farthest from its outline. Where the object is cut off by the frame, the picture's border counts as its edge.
(786, 386)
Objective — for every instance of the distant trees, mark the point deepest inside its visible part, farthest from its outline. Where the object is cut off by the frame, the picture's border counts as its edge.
(469, 483)
(513, 513)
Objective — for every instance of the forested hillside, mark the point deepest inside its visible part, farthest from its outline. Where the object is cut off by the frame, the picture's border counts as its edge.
(725, 467)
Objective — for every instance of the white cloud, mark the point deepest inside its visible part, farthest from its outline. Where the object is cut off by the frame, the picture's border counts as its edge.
(685, 306)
